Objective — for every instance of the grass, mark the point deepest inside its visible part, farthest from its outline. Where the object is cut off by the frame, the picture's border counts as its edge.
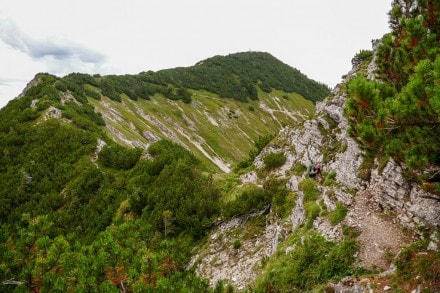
(230, 140)
(312, 262)
(309, 189)
(338, 214)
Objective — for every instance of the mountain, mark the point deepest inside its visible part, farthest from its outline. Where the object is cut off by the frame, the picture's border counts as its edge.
(372, 223)
(239, 76)
(139, 109)
(93, 199)
(85, 158)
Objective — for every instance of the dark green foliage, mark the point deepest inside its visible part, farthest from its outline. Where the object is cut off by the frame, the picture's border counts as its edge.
(172, 182)
(37, 165)
(274, 160)
(93, 94)
(399, 116)
(253, 199)
(281, 200)
(235, 76)
(119, 157)
(260, 143)
(83, 116)
(236, 244)
(63, 217)
(330, 179)
(415, 260)
(338, 214)
(184, 95)
(248, 201)
(312, 211)
(128, 255)
(364, 55)
(108, 90)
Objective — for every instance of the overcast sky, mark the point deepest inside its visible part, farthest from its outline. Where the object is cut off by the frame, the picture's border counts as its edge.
(318, 37)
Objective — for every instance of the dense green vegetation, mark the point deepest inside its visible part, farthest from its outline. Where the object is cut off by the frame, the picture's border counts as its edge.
(249, 199)
(417, 260)
(235, 76)
(274, 160)
(398, 115)
(69, 223)
(313, 261)
(73, 219)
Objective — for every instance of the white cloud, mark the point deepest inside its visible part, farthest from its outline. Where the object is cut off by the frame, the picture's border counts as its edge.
(58, 53)
(318, 37)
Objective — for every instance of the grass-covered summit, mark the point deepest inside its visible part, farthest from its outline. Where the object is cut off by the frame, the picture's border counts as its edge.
(240, 75)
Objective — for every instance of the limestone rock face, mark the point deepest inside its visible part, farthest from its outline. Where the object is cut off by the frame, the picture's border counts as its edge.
(414, 207)
(229, 255)
(325, 139)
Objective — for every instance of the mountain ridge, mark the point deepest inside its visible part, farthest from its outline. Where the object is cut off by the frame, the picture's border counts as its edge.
(136, 110)
(95, 196)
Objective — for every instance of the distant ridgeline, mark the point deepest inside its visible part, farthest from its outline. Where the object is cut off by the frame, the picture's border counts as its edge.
(237, 76)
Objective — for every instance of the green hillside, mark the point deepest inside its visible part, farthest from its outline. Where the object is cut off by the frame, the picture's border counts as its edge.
(218, 131)
(241, 75)
(92, 198)
(218, 120)
(112, 183)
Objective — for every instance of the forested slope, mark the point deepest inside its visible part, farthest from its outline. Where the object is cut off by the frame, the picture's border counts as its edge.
(100, 187)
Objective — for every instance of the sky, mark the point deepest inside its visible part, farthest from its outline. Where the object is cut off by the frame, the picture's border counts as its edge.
(317, 37)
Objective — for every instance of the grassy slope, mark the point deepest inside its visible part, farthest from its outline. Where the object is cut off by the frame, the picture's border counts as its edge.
(219, 131)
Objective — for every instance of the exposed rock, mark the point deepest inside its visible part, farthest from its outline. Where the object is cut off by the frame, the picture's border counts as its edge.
(220, 260)
(99, 145)
(351, 285)
(387, 190)
(331, 233)
(298, 215)
(413, 205)
(433, 244)
(250, 177)
(30, 84)
(52, 112)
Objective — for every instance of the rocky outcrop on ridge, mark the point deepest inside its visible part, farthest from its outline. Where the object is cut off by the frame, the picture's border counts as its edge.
(325, 139)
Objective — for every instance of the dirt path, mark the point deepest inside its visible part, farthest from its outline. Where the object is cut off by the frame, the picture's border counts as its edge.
(380, 237)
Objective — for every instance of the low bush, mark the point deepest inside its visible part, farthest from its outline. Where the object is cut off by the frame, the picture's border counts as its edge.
(274, 160)
(338, 214)
(309, 189)
(251, 199)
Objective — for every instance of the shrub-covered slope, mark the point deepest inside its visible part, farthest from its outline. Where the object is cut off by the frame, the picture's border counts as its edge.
(185, 105)
(91, 196)
(241, 75)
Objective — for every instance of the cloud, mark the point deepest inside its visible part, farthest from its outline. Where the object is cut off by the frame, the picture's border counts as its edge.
(4, 81)
(55, 51)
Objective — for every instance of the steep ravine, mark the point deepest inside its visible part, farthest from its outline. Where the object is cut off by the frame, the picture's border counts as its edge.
(378, 208)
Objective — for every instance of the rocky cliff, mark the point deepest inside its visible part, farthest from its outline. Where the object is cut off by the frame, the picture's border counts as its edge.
(379, 205)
